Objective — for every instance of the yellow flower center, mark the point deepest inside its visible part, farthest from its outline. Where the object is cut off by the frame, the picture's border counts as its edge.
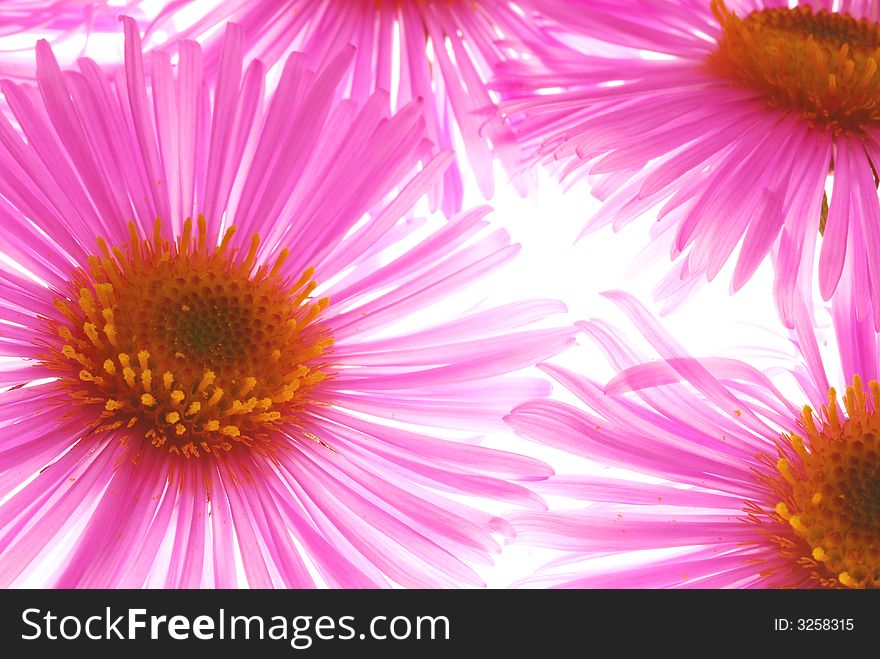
(822, 65)
(189, 345)
(833, 476)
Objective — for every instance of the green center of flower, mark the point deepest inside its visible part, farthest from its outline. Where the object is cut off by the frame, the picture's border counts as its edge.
(187, 345)
(821, 65)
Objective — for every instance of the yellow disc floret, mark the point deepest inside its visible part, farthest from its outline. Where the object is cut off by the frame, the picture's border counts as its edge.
(188, 345)
(821, 65)
(832, 488)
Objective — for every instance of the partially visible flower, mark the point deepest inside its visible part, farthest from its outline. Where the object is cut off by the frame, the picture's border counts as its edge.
(236, 389)
(439, 50)
(22, 22)
(740, 485)
(729, 116)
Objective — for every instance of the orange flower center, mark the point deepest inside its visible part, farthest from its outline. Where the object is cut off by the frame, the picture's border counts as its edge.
(833, 477)
(189, 345)
(821, 65)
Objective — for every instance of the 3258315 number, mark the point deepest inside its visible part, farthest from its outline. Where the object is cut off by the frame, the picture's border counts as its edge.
(825, 624)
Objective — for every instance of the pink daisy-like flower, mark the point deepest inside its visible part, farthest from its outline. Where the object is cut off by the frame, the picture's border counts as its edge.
(439, 50)
(184, 405)
(745, 487)
(732, 115)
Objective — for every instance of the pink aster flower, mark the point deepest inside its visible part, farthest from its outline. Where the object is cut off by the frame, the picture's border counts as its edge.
(439, 50)
(731, 116)
(263, 386)
(739, 485)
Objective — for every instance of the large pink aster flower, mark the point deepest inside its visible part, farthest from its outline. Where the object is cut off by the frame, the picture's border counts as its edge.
(731, 115)
(439, 50)
(184, 397)
(740, 486)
